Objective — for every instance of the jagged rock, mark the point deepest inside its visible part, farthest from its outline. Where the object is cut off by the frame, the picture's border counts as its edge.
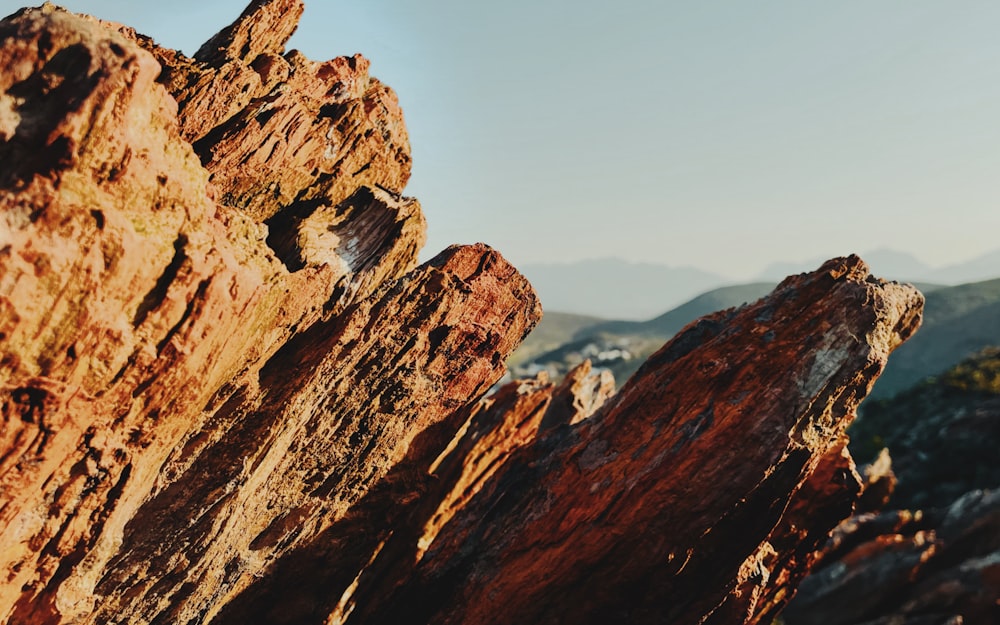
(136, 309)
(936, 566)
(880, 483)
(660, 505)
(286, 139)
(791, 548)
(333, 410)
(229, 396)
(376, 546)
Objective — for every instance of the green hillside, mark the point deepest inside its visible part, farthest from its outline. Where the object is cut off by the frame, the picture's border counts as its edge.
(942, 433)
(553, 330)
(671, 322)
(620, 346)
(959, 321)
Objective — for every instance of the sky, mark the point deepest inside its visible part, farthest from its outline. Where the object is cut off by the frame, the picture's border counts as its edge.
(720, 135)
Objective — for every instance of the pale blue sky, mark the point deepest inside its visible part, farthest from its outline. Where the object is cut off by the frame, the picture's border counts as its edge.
(723, 135)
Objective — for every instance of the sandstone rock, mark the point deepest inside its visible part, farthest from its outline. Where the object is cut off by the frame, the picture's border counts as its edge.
(285, 138)
(333, 410)
(376, 546)
(792, 548)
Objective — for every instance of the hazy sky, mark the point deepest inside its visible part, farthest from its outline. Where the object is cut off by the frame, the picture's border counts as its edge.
(723, 135)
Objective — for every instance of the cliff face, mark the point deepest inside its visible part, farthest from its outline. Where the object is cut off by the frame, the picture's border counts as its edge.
(138, 299)
(230, 396)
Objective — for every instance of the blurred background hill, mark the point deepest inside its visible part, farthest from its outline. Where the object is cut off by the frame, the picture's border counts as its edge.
(959, 320)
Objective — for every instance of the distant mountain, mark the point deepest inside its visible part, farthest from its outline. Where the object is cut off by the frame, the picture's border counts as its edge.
(897, 265)
(612, 288)
(903, 267)
(884, 263)
(958, 322)
(984, 267)
(616, 289)
(671, 322)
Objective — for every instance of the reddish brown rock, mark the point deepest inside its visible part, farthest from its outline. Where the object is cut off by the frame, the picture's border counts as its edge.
(792, 548)
(832, 492)
(335, 408)
(286, 139)
(498, 427)
(879, 483)
(935, 566)
(375, 546)
(661, 505)
(129, 297)
(228, 396)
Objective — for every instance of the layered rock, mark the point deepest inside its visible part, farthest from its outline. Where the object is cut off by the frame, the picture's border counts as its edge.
(229, 396)
(659, 508)
(375, 547)
(135, 304)
(332, 411)
(285, 138)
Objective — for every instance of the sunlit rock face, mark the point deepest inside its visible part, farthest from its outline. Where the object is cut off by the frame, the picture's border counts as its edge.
(230, 395)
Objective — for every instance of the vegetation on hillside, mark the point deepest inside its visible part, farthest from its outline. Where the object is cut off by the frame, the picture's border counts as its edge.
(555, 329)
(942, 434)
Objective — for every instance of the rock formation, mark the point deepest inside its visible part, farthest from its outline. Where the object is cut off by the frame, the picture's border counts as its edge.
(230, 396)
(939, 566)
(624, 516)
(934, 555)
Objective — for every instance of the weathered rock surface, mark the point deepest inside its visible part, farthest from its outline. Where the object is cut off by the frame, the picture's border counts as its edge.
(136, 307)
(380, 540)
(229, 396)
(659, 507)
(286, 139)
(936, 566)
(936, 559)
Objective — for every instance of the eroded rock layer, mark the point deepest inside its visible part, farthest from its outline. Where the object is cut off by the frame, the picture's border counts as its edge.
(230, 396)
(662, 506)
(131, 297)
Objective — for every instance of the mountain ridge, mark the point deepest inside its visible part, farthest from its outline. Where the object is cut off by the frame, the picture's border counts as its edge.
(618, 289)
(959, 321)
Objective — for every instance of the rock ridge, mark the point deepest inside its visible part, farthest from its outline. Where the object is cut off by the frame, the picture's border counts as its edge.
(230, 394)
